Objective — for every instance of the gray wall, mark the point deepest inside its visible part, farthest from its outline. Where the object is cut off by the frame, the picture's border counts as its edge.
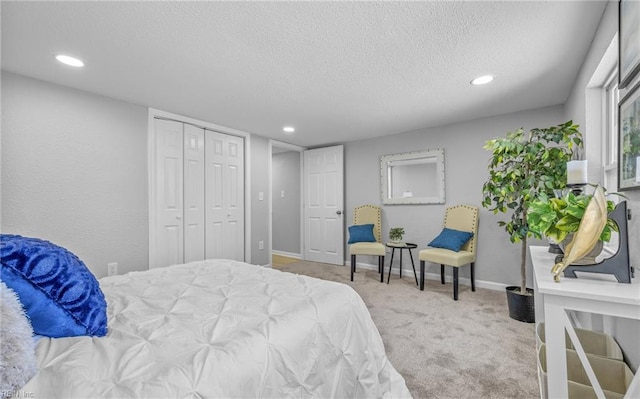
(74, 172)
(285, 171)
(260, 157)
(465, 172)
(579, 108)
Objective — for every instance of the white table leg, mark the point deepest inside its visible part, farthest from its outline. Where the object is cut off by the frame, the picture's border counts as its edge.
(554, 316)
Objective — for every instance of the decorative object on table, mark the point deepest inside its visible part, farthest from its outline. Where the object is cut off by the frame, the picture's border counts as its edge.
(522, 166)
(558, 218)
(370, 243)
(396, 234)
(629, 42)
(588, 234)
(629, 139)
(618, 265)
(455, 246)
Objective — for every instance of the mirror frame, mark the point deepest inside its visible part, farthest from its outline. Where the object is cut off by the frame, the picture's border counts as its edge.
(436, 156)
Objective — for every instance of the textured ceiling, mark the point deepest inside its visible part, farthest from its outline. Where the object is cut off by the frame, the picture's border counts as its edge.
(337, 71)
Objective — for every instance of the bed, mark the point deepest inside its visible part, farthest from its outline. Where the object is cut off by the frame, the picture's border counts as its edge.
(221, 329)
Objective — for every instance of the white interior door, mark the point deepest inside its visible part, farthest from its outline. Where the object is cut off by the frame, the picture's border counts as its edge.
(194, 221)
(324, 205)
(169, 193)
(224, 196)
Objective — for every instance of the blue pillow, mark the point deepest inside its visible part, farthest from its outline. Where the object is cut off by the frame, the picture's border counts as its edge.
(60, 295)
(451, 239)
(361, 233)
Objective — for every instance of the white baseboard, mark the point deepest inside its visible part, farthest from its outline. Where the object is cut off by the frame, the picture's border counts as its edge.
(407, 272)
(287, 254)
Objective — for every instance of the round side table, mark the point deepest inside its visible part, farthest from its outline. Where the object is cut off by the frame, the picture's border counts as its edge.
(401, 246)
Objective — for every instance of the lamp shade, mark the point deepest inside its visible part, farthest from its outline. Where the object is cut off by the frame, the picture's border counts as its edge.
(577, 172)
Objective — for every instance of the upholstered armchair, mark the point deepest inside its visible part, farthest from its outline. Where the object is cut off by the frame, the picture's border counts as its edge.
(365, 239)
(455, 246)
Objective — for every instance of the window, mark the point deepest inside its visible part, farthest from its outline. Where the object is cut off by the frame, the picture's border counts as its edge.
(610, 147)
(610, 132)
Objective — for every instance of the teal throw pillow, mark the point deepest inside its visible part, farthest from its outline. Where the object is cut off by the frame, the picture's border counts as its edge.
(361, 233)
(451, 239)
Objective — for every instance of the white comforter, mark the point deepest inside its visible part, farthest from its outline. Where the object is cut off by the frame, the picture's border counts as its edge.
(221, 329)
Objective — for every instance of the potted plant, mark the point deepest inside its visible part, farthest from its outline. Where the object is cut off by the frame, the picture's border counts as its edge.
(396, 234)
(522, 166)
(558, 218)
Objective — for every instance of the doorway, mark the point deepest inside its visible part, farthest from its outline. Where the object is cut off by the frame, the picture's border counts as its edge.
(285, 216)
(312, 227)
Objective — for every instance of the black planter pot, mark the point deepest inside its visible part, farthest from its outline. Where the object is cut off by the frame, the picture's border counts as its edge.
(521, 307)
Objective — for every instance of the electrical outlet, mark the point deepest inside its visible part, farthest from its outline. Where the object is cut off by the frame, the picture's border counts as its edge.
(260, 244)
(281, 193)
(261, 196)
(112, 269)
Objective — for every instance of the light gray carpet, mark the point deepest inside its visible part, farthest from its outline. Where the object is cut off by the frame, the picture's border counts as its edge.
(443, 348)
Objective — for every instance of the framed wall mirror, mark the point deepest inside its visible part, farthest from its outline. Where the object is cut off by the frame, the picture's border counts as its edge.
(412, 178)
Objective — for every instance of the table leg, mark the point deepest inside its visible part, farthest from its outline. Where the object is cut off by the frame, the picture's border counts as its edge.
(554, 314)
(393, 251)
(401, 251)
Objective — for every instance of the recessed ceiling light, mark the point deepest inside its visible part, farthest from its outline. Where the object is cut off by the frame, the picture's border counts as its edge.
(482, 80)
(68, 60)
(289, 129)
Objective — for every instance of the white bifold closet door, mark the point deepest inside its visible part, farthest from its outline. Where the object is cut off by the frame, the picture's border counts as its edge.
(194, 186)
(199, 194)
(224, 196)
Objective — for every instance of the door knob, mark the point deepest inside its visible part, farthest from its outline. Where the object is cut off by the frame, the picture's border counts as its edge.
(338, 212)
(178, 217)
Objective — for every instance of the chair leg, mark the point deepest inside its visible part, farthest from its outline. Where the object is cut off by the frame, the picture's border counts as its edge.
(441, 274)
(455, 283)
(473, 277)
(421, 275)
(381, 268)
(353, 265)
(414, 267)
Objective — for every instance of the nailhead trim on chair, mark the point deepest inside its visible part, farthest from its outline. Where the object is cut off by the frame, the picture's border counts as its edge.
(379, 229)
(474, 211)
(472, 242)
(377, 233)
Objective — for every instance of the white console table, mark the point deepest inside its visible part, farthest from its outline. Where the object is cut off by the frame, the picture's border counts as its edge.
(553, 300)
